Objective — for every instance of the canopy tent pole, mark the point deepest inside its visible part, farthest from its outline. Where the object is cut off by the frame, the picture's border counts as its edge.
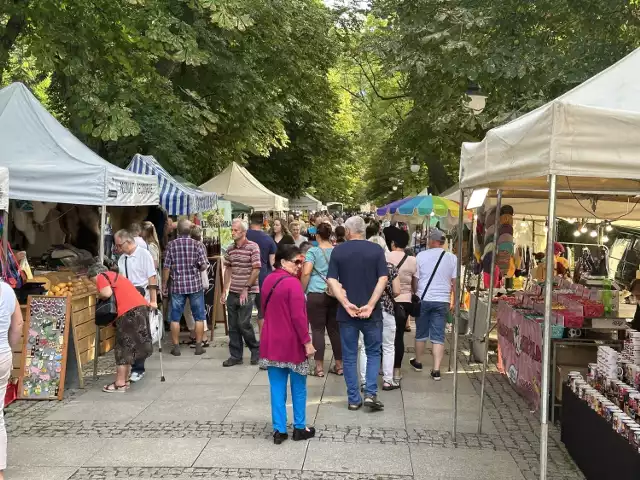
(456, 321)
(546, 339)
(103, 225)
(5, 234)
(489, 306)
(96, 347)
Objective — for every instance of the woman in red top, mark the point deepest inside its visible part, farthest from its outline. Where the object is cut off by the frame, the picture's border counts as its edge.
(285, 344)
(133, 335)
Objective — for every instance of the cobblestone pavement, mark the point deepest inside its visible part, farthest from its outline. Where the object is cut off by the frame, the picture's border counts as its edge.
(410, 440)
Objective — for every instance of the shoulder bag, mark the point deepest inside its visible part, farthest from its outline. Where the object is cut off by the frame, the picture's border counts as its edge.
(107, 309)
(417, 306)
(327, 289)
(398, 309)
(266, 302)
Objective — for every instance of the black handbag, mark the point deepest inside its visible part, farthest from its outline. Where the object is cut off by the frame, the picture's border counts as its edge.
(107, 309)
(417, 306)
(399, 311)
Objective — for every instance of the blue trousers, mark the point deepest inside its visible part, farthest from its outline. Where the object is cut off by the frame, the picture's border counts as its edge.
(278, 384)
(372, 335)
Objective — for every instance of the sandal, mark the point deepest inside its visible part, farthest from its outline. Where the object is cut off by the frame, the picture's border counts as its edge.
(337, 371)
(113, 388)
(386, 386)
(319, 373)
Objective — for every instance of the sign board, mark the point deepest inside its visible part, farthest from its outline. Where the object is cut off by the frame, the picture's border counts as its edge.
(44, 348)
(225, 211)
(131, 189)
(520, 342)
(477, 198)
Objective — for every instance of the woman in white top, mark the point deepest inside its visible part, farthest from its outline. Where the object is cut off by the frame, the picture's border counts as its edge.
(10, 335)
(295, 229)
(397, 240)
(150, 236)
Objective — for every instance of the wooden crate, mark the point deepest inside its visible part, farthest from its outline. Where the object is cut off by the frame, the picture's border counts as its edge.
(83, 308)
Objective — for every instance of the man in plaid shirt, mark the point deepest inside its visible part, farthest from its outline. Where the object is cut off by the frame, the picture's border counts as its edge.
(184, 261)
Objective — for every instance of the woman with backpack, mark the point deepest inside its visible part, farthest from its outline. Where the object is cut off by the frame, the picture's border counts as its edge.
(133, 336)
(322, 307)
(285, 344)
(397, 240)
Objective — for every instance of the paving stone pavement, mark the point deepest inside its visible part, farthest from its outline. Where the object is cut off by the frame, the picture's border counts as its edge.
(215, 422)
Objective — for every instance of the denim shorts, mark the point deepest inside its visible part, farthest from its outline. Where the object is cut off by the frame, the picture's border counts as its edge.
(196, 300)
(431, 322)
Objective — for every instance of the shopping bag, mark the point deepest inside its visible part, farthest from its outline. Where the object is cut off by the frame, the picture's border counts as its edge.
(155, 325)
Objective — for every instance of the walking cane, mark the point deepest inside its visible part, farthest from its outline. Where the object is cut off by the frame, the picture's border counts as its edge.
(159, 333)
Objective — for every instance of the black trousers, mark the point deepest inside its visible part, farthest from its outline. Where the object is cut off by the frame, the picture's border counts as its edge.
(401, 320)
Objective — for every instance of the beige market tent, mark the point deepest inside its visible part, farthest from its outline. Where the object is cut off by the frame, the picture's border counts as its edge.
(306, 202)
(237, 184)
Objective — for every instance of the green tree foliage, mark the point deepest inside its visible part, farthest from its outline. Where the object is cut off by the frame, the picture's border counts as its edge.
(197, 83)
(521, 53)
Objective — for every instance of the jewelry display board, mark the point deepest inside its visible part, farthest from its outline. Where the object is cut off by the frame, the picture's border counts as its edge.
(44, 348)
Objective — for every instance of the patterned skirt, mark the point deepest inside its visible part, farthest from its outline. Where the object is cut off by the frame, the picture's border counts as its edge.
(133, 336)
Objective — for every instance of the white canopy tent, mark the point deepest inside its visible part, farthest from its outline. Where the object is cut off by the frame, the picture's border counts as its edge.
(306, 202)
(4, 188)
(587, 137)
(48, 164)
(585, 142)
(568, 205)
(237, 184)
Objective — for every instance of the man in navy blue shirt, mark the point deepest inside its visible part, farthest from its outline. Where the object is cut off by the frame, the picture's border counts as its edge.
(267, 256)
(358, 276)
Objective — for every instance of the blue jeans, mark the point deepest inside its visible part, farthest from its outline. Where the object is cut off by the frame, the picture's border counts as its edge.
(278, 384)
(196, 301)
(138, 366)
(372, 335)
(431, 323)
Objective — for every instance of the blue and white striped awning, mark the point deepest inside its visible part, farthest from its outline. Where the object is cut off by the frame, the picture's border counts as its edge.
(176, 198)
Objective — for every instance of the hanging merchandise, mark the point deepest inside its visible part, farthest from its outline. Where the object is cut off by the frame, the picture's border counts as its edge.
(505, 240)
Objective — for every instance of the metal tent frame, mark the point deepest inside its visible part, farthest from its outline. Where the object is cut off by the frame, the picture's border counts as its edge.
(554, 193)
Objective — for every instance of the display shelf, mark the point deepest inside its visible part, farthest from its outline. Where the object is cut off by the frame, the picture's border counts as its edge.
(599, 451)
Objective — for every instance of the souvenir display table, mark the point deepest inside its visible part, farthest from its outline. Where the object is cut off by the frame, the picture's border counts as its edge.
(599, 450)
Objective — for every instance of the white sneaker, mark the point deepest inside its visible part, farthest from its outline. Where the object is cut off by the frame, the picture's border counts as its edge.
(136, 377)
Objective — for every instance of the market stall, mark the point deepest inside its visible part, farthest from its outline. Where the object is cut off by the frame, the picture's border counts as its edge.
(175, 197)
(48, 166)
(583, 144)
(237, 184)
(306, 203)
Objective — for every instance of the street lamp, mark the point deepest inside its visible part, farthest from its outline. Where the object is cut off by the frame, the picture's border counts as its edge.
(415, 166)
(478, 100)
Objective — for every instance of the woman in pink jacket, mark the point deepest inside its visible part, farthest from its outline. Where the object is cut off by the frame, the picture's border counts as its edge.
(285, 344)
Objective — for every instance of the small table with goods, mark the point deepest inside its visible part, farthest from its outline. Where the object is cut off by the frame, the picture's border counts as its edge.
(601, 413)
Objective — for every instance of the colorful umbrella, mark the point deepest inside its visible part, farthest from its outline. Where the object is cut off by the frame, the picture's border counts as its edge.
(423, 206)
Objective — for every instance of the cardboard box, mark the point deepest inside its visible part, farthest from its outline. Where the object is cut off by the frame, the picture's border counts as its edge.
(561, 376)
(576, 354)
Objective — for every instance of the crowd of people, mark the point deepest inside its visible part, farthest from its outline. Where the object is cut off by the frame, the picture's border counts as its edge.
(348, 279)
(345, 278)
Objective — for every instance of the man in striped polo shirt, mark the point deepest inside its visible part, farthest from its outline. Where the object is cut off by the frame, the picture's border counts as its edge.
(242, 267)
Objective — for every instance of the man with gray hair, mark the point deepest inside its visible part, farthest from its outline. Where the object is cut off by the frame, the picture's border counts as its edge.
(242, 268)
(136, 263)
(185, 259)
(433, 281)
(358, 276)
